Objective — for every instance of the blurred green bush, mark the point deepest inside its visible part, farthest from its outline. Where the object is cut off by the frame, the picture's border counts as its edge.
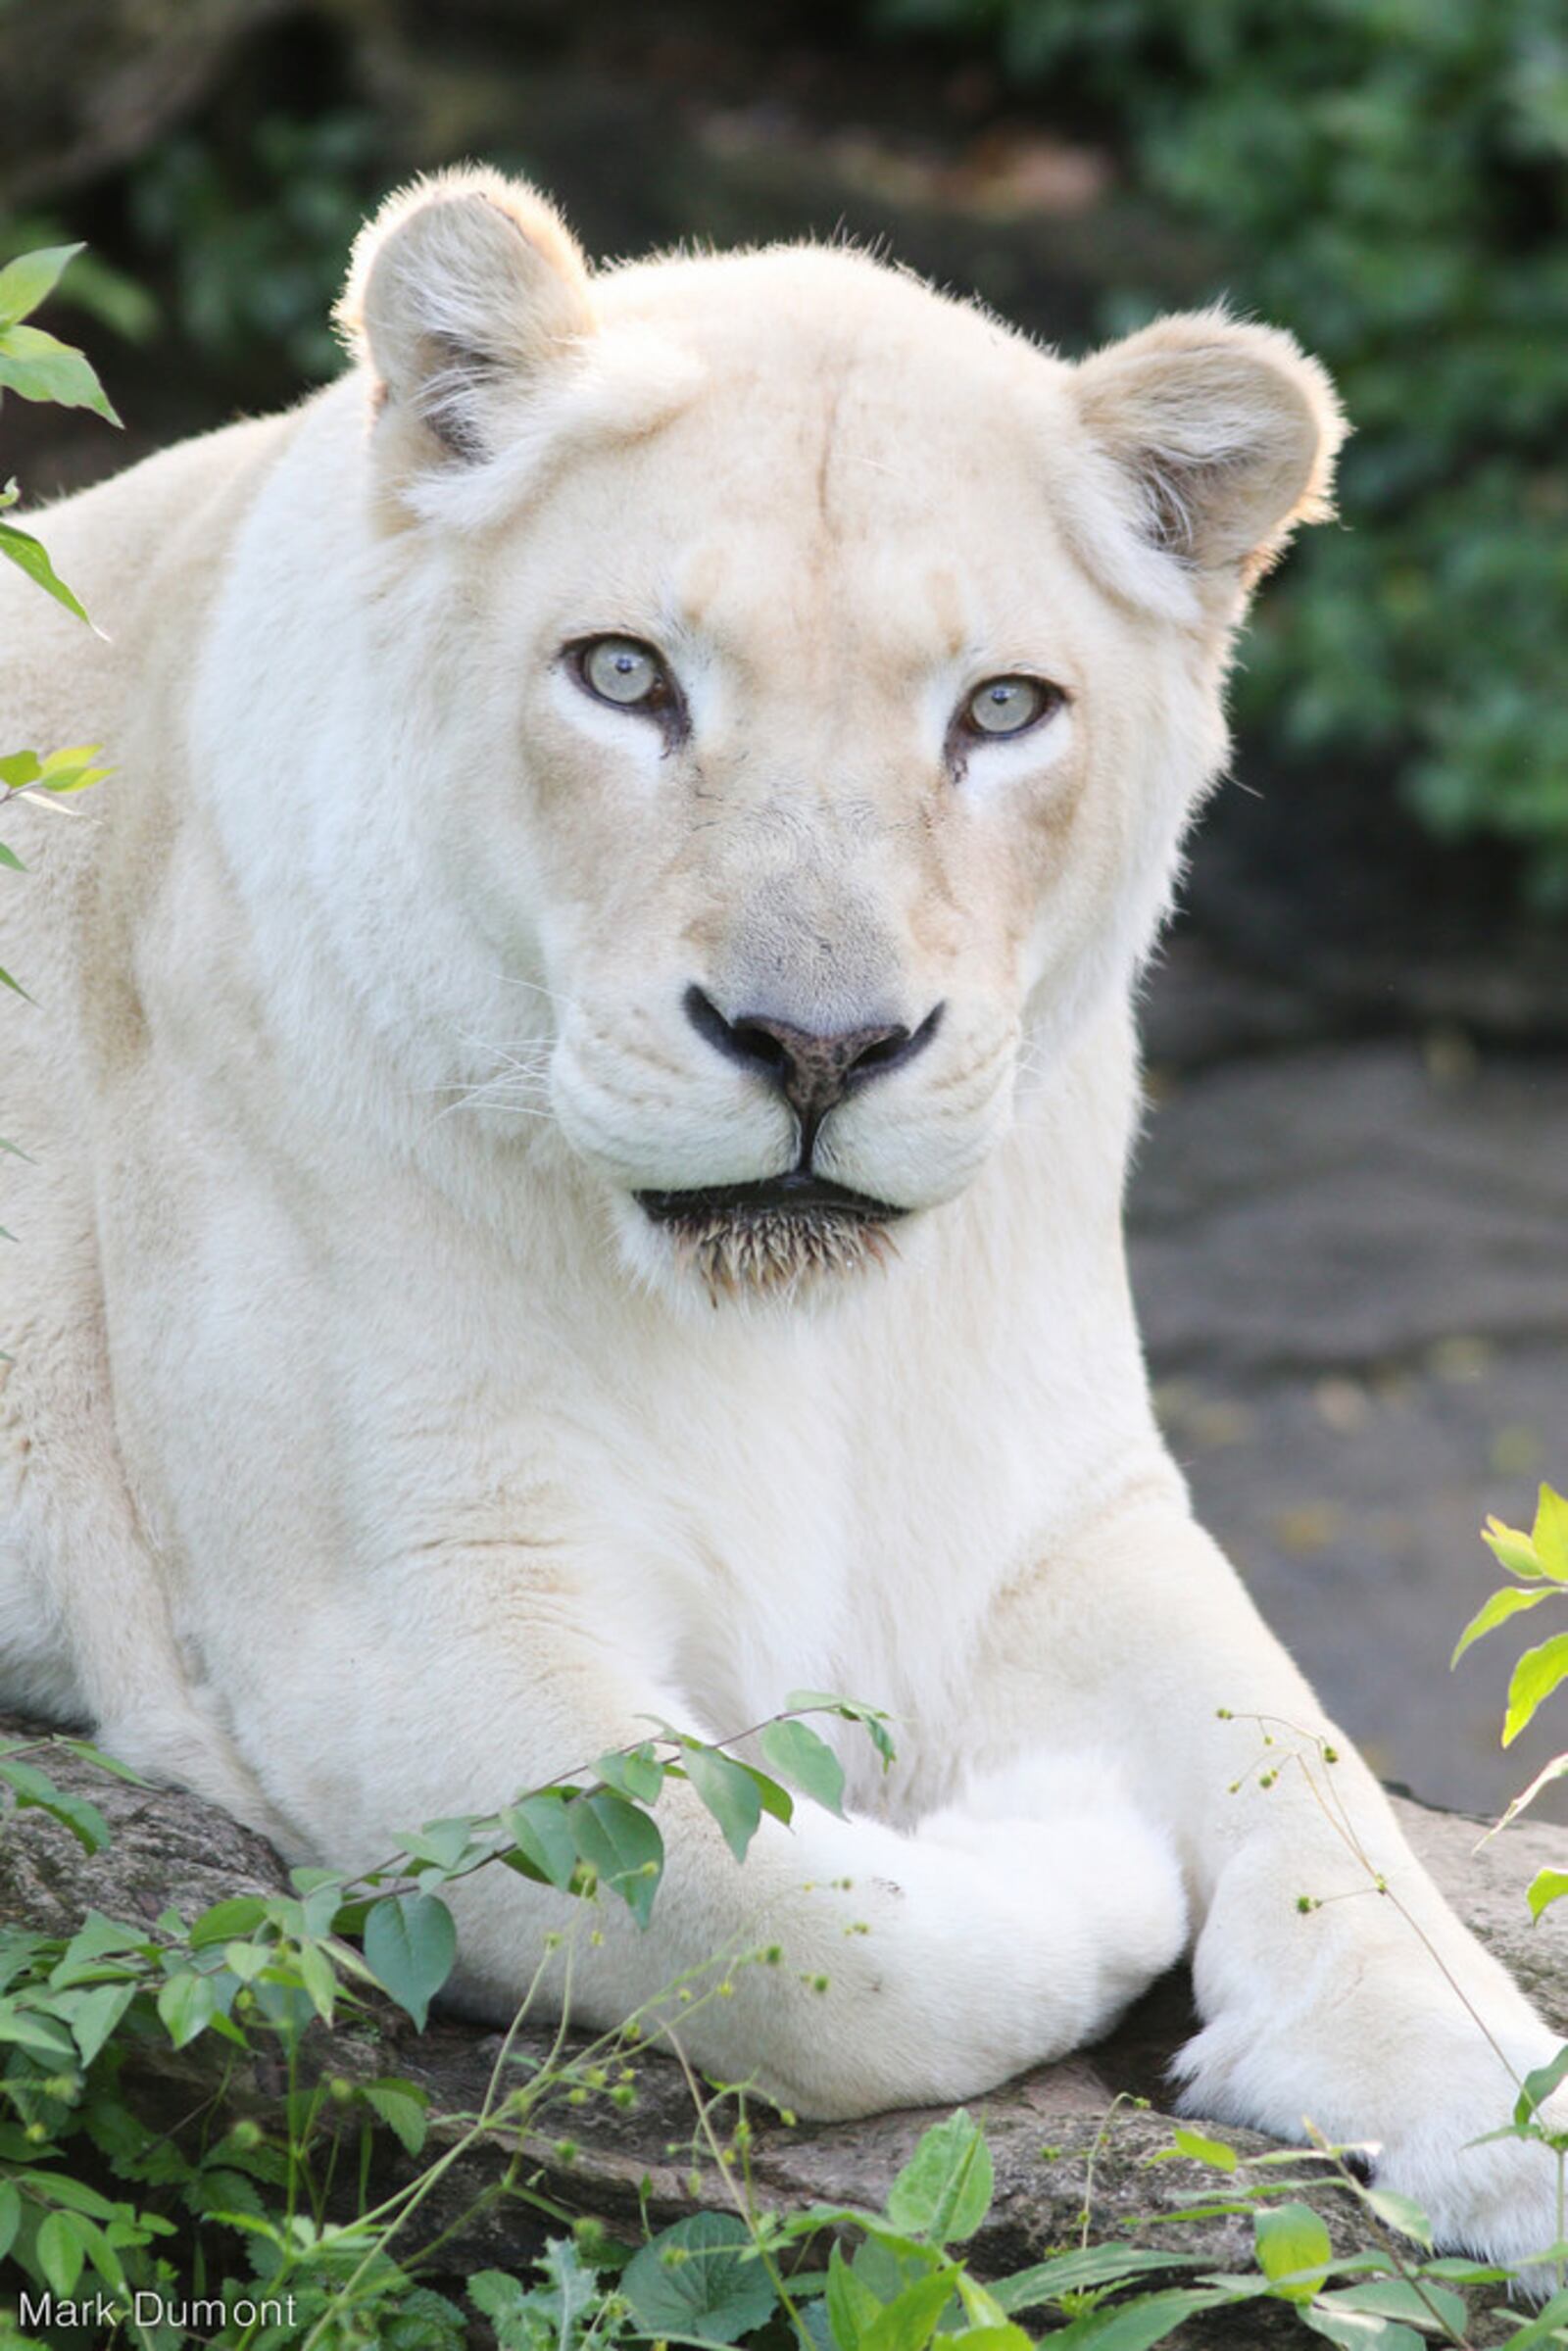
(1389, 178)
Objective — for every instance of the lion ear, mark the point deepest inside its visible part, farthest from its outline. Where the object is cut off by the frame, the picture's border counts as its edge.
(461, 293)
(1222, 437)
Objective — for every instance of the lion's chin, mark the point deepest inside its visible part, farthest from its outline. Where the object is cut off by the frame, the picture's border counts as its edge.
(773, 1238)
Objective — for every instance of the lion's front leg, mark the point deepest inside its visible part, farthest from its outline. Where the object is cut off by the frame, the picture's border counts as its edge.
(1372, 2014)
(907, 1969)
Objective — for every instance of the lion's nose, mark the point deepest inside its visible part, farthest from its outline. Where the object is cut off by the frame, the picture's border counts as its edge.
(810, 1070)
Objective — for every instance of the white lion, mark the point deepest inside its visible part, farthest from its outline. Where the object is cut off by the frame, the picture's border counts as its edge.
(579, 1097)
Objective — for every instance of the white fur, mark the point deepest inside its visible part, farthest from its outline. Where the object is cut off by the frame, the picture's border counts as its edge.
(369, 1453)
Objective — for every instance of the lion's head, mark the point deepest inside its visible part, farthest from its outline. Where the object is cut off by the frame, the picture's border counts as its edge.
(826, 675)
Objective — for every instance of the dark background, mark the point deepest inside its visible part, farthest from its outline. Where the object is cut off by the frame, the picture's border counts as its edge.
(1349, 1215)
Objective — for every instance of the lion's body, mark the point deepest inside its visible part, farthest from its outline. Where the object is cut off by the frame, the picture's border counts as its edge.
(368, 1456)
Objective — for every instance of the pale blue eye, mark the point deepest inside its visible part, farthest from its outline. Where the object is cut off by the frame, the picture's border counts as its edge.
(619, 669)
(1005, 705)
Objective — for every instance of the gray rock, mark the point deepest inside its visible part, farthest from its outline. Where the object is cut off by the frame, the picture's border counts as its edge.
(1063, 2136)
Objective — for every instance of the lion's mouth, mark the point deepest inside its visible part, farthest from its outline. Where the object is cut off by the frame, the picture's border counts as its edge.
(798, 1193)
(772, 1235)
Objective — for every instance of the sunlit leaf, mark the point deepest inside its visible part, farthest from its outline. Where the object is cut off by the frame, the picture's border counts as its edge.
(1496, 1610)
(38, 367)
(1534, 1678)
(1291, 2240)
(1401, 2212)
(1512, 1549)
(30, 279)
(1550, 1533)
(29, 555)
(1545, 1888)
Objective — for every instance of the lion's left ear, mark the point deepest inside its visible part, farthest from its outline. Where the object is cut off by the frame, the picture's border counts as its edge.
(1222, 437)
(462, 292)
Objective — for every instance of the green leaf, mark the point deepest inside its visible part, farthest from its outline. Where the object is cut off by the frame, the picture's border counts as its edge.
(1545, 1888)
(441, 1844)
(29, 2028)
(1213, 2151)
(35, 1791)
(30, 279)
(1542, 2328)
(729, 1791)
(1512, 1549)
(636, 1773)
(1550, 1533)
(318, 1980)
(1137, 2326)
(800, 1755)
(230, 1921)
(542, 1834)
(97, 1939)
(700, 2278)
(852, 2306)
(402, 2107)
(21, 548)
(1079, 2273)
(9, 858)
(1398, 2298)
(19, 768)
(72, 770)
(187, 2004)
(60, 2250)
(943, 2190)
(872, 1719)
(93, 2014)
(16, 987)
(1534, 1678)
(1496, 1610)
(410, 1945)
(1358, 2330)
(622, 1846)
(1290, 2238)
(1401, 2212)
(38, 367)
(84, 1748)
(10, 2214)
(910, 2320)
(1536, 2088)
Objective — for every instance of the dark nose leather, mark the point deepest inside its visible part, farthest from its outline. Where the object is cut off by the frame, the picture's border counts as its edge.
(811, 1071)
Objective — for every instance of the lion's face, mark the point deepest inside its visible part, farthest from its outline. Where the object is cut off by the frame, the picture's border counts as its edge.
(830, 727)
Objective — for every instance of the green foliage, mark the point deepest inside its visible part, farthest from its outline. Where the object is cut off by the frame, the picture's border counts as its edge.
(95, 2195)
(1385, 177)
(1539, 1564)
(36, 367)
(255, 233)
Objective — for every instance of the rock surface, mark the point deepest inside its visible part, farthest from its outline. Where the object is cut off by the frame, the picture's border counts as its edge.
(1348, 1259)
(1059, 2136)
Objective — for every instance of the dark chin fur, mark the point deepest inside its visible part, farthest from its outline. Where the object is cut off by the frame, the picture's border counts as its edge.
(776, 1249)
(773, 1237)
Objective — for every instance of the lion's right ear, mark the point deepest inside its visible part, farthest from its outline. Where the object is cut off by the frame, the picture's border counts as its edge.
(464, 291)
